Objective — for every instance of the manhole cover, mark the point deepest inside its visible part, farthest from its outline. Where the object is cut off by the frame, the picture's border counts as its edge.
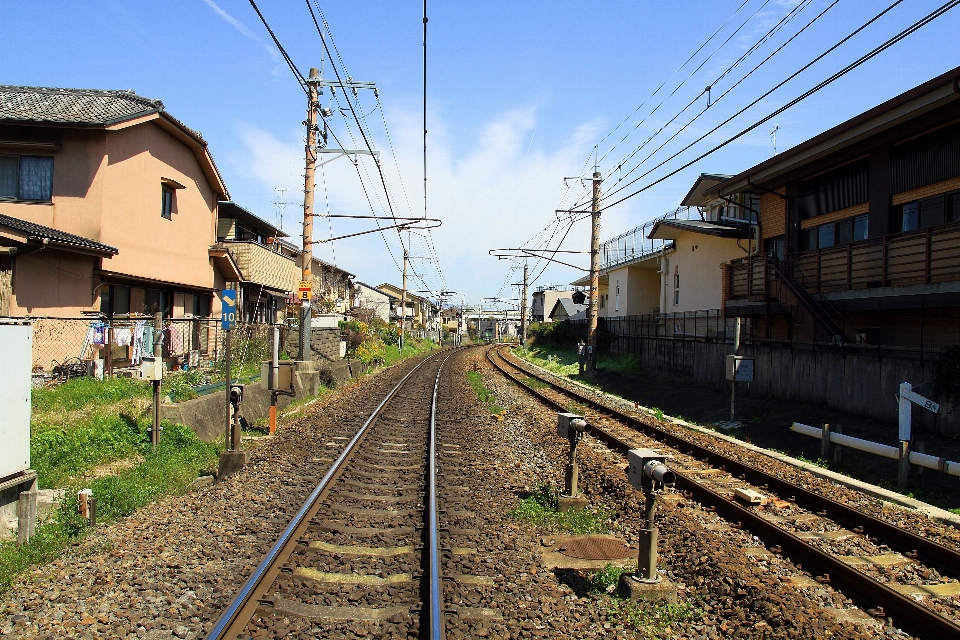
(595, 548)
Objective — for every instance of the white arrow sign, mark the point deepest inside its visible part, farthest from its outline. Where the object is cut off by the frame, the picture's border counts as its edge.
(920, 401)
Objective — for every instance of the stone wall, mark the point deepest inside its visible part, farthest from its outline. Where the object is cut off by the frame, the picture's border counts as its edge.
(862, 385)
(324, 341)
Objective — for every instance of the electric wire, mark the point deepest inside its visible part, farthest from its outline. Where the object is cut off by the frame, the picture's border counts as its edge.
(725, 93)
(873, 53)
(692, 73)
(353, 111)
(686, 62)
(300, 79)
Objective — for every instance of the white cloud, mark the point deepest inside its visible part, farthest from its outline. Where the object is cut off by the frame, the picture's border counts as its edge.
(497, 193)
(242, 28)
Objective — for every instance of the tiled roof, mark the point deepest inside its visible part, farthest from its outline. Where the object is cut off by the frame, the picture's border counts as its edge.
(73, 106)
(40, 232)
(76, 106)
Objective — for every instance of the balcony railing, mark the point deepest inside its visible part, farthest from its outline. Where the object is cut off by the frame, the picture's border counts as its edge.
(634, 245)
(924, 256)
(260, 265)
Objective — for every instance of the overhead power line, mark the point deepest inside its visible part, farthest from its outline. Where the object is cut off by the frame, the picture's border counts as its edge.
(883, 47)
(283, 52)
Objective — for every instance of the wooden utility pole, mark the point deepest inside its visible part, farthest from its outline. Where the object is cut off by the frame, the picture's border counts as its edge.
(523, 310)
(403, 295)
(594, 277)
(310, 166)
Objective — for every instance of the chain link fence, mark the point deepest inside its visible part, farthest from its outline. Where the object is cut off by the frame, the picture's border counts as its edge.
(97, 346)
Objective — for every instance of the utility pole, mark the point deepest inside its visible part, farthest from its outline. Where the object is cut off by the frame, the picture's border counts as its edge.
(594, 276)
(523, 310)
(305, 352)
(403, 295)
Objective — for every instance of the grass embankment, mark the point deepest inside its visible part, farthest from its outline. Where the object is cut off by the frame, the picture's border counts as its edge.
(94, 434)
(90, 434)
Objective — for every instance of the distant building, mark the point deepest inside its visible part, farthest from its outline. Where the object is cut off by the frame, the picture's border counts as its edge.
(372, 300)
(545, 297)
(567, 309)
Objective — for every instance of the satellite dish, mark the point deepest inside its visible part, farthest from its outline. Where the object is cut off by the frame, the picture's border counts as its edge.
(579, 297)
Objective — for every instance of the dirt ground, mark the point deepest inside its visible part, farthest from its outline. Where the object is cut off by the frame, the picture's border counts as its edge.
(766, 423)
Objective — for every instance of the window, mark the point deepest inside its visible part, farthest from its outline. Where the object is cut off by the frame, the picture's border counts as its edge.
(26, 178)
(831, 234)
(155, 300)
(929, 212)
(676, 286)
(843, 187)
(115, 299)
(826, 235)
(773, 247)
(166, 207)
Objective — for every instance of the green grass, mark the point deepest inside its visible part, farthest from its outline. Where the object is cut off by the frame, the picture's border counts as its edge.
(657, 413)
(484, 395)
(540, 508)
(650, 620)
(605, 580)
(170, 469)
(84, 393)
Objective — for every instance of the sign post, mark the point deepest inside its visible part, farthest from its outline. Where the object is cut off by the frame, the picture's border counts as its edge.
(233, 459)
(908, 397)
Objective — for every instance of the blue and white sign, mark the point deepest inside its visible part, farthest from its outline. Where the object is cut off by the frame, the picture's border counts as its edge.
(228, 319)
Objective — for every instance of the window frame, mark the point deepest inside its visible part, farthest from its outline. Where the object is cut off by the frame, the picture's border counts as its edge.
(167, 195)
(17, 197)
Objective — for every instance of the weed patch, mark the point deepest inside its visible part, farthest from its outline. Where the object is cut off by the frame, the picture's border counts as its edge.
(484, 395)
(540, 508)
(650, 620)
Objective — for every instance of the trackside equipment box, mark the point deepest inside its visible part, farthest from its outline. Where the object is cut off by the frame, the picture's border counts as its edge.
(16, 345)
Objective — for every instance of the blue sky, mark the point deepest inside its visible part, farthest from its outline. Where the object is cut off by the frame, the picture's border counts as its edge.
(518, 95)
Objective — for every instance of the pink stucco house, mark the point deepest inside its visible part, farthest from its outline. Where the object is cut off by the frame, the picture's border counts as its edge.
(107, 204)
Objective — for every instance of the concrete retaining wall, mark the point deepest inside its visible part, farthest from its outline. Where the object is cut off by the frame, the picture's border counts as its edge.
(207, 415)
(858, 384)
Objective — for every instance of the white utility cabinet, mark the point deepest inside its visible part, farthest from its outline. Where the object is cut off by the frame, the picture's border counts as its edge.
(16, 351)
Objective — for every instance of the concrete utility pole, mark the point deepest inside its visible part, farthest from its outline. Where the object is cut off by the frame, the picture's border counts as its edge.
(403, 295)
(594, 277)
(523, 310)
(310, 167)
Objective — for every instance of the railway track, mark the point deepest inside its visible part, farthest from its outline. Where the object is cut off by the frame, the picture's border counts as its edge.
(813, 530)
(365, 546)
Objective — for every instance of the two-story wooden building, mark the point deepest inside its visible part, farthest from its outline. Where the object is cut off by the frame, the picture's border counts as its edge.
(860, 230)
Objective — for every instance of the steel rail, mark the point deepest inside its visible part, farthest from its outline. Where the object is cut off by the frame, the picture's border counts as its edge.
(435, 621)
(906, 612)
(244, 604)
(927, 551)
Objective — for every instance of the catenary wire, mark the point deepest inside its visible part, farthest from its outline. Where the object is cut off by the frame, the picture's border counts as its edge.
(897, 38)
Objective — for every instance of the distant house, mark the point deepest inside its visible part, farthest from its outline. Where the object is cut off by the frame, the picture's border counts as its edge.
(108, 204)
(567, 309)
(418, 310)
(545, 297)
(269, 267)
(690, 274)
(371, 300)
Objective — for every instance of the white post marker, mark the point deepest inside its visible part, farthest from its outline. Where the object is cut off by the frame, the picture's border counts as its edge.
(906, 399)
